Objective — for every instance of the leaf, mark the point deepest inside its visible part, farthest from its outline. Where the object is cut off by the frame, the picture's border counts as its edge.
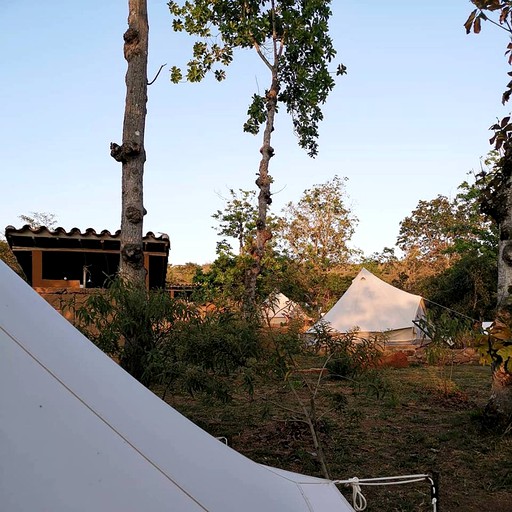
(477, 26)
(505, 352)
(176, 75)
(504, 14)
(501, 331)
(469, 21)
(220, 75)
(341, 70)
(505, 121)
(177, 25)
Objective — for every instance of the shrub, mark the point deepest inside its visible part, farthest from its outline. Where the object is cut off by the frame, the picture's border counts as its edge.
(166, 341)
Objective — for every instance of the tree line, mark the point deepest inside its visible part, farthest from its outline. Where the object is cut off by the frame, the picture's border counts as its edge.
(447, 251)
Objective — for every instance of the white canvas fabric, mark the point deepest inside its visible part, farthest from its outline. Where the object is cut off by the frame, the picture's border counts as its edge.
(79, 434)
(279, 310)
(373, 306)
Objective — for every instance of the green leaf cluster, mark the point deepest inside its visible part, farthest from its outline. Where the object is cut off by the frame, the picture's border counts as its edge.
(442, 227)
(291, 37)
(169, 342)
(495, 347)
(319, 226)
(238, 219)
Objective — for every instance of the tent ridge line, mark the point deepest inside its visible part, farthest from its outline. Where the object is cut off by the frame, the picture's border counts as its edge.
(111, 427)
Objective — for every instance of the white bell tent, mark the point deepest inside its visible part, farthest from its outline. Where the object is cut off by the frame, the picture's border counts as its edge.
(78, 433)
(278, 310)
(372, 306)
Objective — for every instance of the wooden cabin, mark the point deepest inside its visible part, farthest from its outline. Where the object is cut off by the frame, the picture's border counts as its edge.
(60, 259)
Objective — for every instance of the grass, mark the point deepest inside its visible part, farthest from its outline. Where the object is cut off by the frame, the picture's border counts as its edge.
(411, 420)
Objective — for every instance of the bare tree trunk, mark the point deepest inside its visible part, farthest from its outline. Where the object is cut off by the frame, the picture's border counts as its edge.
(131, 153)
(498, 411)
(505, 246)
(263, 235)
(498, 204)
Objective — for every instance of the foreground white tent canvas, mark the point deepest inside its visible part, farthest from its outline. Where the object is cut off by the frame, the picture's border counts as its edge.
(77, 433)
(372, 307)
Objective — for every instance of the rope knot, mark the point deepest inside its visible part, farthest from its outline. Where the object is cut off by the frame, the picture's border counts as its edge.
(358, 499)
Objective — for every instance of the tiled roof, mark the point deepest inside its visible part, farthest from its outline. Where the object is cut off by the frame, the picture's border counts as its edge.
(89, 233)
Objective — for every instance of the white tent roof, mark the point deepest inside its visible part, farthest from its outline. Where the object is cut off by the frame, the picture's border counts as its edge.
(280, 306)
(374, 306)
(78, 433)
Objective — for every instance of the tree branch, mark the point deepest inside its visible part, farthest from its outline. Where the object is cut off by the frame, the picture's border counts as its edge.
(509, 29)
(262, 56)
(154, 79)
(274, 33)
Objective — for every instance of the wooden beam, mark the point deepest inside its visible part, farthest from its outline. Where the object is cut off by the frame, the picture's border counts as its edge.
(146, 266)
(37, 268)
(84, 251)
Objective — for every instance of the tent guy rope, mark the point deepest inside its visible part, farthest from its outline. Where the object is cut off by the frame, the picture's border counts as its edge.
(359, 501)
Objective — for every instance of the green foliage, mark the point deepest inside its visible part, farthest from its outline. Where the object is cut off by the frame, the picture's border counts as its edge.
(182, 274)
(291, 37)
(468, 286)
(317, 229)
(280, 348)
(206, 353)
(127, 323)
(495, 184)
(451, 248)
(495, 346)
(168, 342)
(441, 227)
(257, 115)
(238, 219)
(286, 354)
(446, 329)
(474, 23)
(223, 283)
(348, 355)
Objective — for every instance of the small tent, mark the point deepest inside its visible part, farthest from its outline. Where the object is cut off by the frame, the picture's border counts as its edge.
(278, 310)
(372, 306)
(78, 433)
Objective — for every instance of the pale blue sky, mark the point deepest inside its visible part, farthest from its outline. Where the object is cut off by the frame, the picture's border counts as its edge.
(407, 123)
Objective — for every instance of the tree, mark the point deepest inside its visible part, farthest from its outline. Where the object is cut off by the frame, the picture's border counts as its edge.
(318, 227)
(468, 286)
(291, 38)
(441, 232)
(496, 201)
(131, 152)
(430, 229)
(497, 194)
(182, 274)
(443, 229)
(239, 218)
(39, 219)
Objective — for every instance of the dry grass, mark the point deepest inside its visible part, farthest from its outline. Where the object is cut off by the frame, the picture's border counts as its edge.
(411, 420)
